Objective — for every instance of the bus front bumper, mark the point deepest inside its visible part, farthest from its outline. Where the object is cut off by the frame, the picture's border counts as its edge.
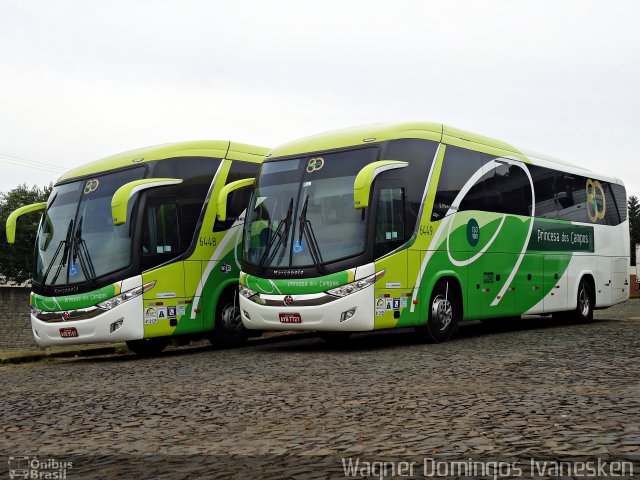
(312, 312)
(121, 323)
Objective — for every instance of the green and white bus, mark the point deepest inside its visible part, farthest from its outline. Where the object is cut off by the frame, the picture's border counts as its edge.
(130, 248)
(423, 225)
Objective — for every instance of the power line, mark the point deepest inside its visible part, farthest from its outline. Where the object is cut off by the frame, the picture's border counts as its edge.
(23, 162)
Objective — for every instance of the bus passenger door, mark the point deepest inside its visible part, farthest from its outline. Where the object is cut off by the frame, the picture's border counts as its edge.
(392, 294)
(161, 244)
(555, 283)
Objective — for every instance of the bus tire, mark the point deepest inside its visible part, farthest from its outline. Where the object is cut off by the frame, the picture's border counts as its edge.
(229, 330)
(445, 310)
(148, 347)
(335, 338)
(586, 301)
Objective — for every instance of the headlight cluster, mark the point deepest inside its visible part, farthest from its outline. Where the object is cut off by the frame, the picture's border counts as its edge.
(126, 296)
(356, 286)
(247, 292)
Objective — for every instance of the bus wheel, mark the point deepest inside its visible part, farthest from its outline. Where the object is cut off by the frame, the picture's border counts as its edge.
(584, 310)
(229, 330)
(148, 347)
(335, 338)
(444, 313)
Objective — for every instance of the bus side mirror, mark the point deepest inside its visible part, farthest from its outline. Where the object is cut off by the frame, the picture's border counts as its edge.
(12, 220)
(224, 194)
(364, 180)
(120, 199)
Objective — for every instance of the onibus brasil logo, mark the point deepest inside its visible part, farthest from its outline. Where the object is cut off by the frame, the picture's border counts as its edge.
(35, 468)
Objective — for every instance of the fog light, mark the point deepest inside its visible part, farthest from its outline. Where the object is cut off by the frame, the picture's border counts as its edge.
(246, 314)
(344, 316)
(116, 325)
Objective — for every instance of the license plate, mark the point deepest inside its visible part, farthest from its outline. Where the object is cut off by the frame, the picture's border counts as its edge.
(290, 318)
(68, 332)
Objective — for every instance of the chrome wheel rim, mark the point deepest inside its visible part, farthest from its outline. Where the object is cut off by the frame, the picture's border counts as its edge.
(231, 320)
(441, 312)
(583, 302)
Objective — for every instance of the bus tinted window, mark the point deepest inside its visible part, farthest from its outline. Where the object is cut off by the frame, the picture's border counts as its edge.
(390, 224)
(459, 165)
(505, 187)
(419, 153)
(197, 174)
(544, 186)
(620, 199)
(571, 197)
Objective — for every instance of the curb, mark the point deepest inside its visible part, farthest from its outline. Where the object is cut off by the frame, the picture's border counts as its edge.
(34, 356)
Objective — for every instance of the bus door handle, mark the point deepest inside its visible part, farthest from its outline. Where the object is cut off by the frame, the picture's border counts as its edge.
(528, 276)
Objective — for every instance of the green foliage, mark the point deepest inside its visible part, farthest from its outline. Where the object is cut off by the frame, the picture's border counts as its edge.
(16, 261)
(634, 225)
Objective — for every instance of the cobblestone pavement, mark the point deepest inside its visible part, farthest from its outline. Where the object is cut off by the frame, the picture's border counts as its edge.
(502, 388)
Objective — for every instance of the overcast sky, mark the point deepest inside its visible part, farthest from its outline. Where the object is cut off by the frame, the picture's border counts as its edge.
(86, 79)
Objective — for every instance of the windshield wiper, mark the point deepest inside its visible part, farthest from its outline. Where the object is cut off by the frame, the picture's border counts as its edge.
(81, 252)
(63, 243)
(283, 224)
(307, 230)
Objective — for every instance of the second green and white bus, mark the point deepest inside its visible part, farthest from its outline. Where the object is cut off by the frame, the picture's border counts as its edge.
(132, 248)
(423, 225)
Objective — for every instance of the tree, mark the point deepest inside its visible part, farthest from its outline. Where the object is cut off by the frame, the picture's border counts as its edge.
(634, 225)
(16, 261)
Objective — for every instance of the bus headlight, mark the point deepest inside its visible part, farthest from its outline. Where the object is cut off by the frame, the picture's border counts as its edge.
(126, 296)
(356, 286)
(247, 292)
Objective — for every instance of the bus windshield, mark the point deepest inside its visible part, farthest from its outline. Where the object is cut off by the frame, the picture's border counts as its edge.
(301, 213)
(77, 241)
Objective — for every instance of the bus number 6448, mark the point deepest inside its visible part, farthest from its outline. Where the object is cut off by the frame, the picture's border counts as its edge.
(207, 241)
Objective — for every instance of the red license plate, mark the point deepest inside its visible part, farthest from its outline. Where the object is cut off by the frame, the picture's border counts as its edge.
(290, 318)
(68, 332)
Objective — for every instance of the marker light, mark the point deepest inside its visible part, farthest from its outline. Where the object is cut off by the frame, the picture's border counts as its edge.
(356, 286)
(126, 296)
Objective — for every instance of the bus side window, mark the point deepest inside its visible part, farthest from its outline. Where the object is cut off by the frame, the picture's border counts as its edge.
(571, 197)
(390, 221)
(161, 234)
(507, 190)
(459, 165)
(616, 194)
(543, 184)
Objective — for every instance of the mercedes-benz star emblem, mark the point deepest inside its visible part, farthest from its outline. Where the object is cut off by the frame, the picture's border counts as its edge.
(288, 300)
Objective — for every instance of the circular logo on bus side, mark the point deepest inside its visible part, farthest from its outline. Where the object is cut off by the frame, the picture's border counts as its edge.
(288, 300)
(596, 204)
(473, 232)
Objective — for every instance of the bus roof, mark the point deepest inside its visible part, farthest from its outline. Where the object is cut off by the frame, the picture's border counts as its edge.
(199, 148)
(378, 132)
